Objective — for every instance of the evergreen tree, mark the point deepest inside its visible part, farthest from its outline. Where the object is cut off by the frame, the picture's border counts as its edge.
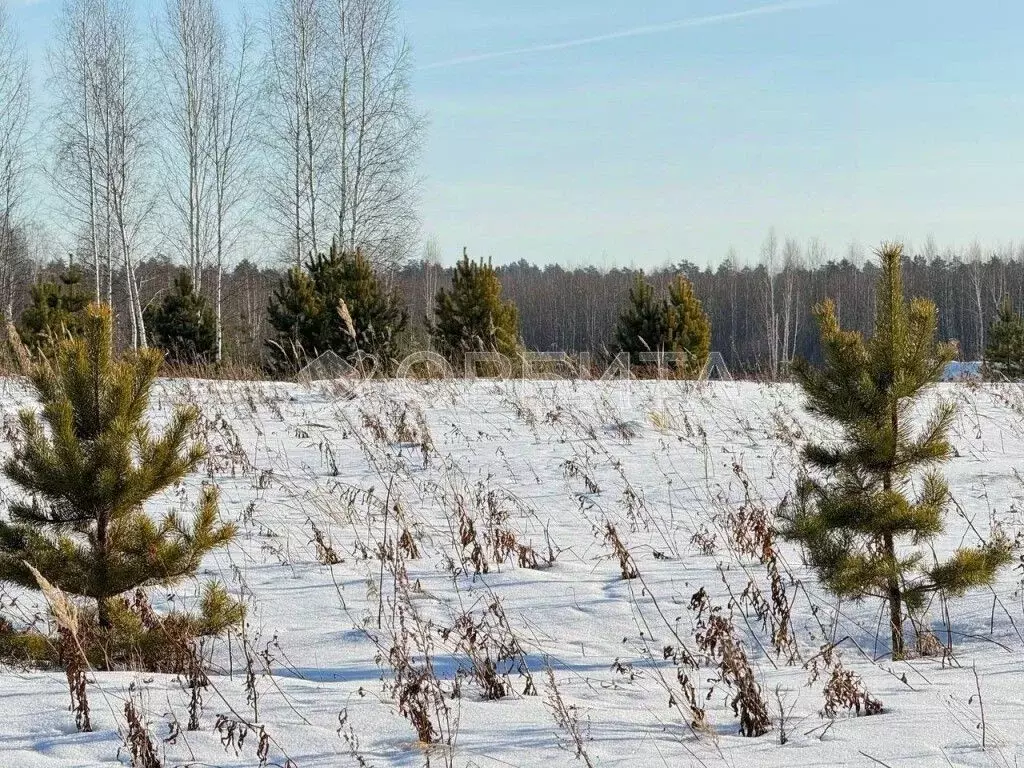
(88, 466)
(182, 324)
(643, 324)
(57, 310)
(472, 317)
(1004, 355)
(678, 324)
(293, 308)
(858, 518)
(337, 303)
(687, 327)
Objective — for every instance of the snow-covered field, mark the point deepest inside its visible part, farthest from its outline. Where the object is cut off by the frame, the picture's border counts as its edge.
(436, 477)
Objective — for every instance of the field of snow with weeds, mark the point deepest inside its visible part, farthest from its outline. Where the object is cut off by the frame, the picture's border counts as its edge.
(537, 573)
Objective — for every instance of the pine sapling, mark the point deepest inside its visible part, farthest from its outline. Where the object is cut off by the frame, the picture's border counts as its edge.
(857, 513)
(88, 463)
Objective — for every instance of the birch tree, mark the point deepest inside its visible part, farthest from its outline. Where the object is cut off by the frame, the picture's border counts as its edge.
(345, 133)
(124, 125)
(207, 73)
(377, 130)
(791, 309)
(770, 262)
(299, 120)
(975, 269)
(77, 174)
(100, 124)
(15, 102)
(186, 40)
(232, 113)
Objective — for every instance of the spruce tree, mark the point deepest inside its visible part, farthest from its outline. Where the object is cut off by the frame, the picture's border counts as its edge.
(643, 323)
(87, 464)
(56, 310)
(1004, 355)
(688, 328)
(859, 518)
(472, 317)
(337, 303)
(182, 324)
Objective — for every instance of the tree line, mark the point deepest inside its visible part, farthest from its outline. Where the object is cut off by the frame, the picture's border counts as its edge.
(761, 312)
(759, 316)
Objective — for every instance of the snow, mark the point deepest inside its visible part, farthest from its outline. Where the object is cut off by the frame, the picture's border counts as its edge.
(662, 461)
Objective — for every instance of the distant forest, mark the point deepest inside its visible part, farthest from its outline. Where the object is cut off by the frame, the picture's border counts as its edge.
(761, 314)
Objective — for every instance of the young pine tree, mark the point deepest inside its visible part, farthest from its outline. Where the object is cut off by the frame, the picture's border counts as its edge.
(88, 465)
(678, 324)
(292, 308)
(337, 303)
(643, 323)
(57, 309)
(859, 518)
(182, 324)
(1004, 355)
(688, 327)
(472, 317)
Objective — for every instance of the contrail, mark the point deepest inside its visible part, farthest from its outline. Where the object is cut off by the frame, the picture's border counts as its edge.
(651, 29)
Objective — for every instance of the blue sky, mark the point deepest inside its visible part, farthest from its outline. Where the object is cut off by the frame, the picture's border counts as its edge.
(614, 132)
